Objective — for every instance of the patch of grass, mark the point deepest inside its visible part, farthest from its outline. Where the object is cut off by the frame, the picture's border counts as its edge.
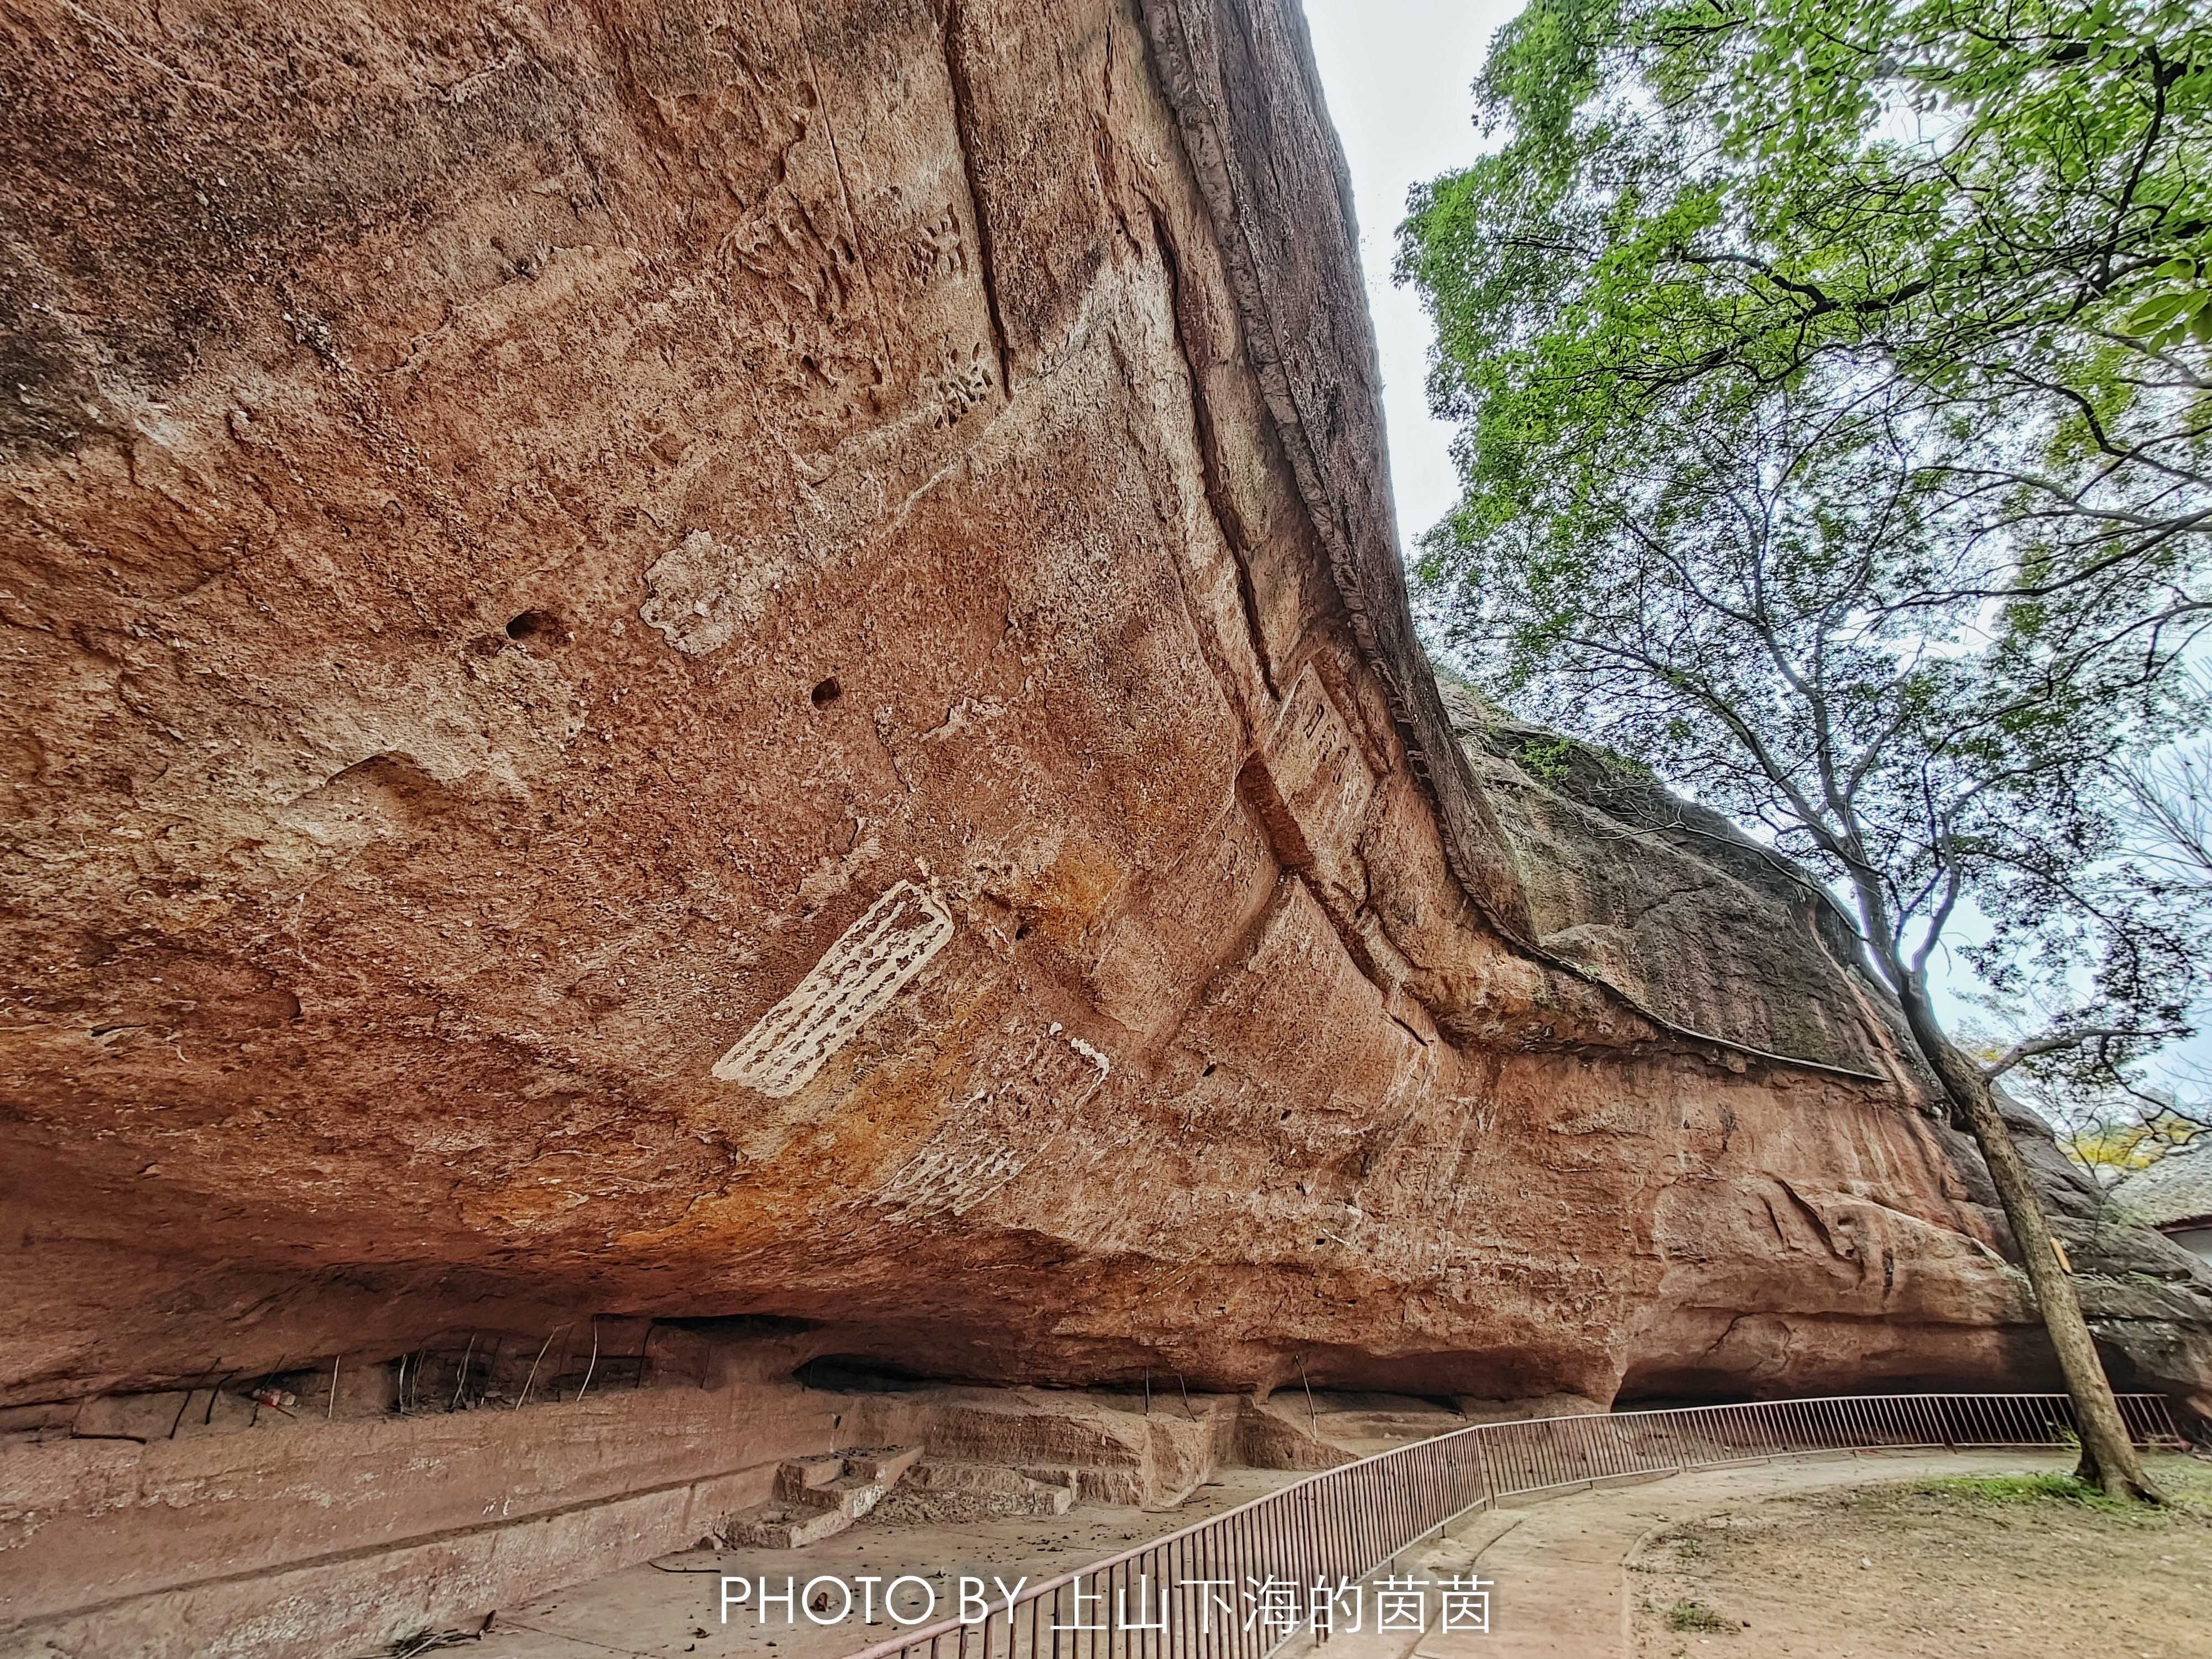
(2186, 1480)
(2188, 1490)
(2024, 1489)
(1697, 1616)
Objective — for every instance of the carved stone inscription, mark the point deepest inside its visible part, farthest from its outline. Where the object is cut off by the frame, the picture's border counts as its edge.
(872, 961)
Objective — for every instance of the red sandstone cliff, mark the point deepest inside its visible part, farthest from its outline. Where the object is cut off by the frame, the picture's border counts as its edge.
(737, 659)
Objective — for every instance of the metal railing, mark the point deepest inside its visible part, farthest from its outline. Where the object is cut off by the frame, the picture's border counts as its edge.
(1166, 1600)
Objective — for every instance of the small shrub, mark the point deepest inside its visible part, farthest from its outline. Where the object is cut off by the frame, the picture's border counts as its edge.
(1546, 761)
(1696, 1616)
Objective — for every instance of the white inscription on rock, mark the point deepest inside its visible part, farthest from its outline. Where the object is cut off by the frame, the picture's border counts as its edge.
(874, 959)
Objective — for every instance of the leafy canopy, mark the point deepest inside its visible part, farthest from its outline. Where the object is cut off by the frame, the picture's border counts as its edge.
(1834, 390)
(2004, 210)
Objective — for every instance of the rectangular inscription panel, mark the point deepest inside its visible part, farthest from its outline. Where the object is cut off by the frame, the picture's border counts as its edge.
(872, 961)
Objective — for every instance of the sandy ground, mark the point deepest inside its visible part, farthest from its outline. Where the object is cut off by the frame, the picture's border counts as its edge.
(645, 1613)
(1840, 1559)
(1911, 1571)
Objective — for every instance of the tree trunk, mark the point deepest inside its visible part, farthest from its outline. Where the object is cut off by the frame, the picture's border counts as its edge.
(2108, 1456)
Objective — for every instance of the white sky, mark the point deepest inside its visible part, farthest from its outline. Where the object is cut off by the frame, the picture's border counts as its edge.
(1398, 74)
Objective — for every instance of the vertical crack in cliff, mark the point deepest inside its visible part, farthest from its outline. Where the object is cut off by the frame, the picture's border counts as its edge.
(1287, 845)
(851, 218)
(1235, 532)
(1198, 617)
(964, 133)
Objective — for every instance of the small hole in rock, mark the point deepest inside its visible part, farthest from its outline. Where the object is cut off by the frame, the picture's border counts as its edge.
(1208, 1072)
(531, 623)
(1021, 933)
(827, 691)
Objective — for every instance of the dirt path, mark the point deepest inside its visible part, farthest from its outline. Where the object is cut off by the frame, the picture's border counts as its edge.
(1758, 1562)
(1930, 1570)
(1558, 1566)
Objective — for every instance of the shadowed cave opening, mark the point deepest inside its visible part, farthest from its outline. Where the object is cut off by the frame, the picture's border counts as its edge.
(845, 1373)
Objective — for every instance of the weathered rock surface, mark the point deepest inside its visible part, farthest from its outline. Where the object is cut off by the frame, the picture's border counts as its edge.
(743, 661)
(1678, 909)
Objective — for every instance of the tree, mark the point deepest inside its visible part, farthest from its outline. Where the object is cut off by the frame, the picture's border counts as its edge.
(2166, 806)
(1748, 609)
(2003, 211)
(2112, 1118)
(1834, 401)
(2114, 1133)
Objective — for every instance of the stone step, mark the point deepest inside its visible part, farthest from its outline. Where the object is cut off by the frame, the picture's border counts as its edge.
(851, 1483)
(778, 1526)
(797, 1474)
(817, 1498)
(852, 1496)
(883, 1463)
(992, 1489)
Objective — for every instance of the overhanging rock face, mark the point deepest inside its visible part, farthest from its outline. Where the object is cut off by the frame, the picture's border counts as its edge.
(743, 659)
